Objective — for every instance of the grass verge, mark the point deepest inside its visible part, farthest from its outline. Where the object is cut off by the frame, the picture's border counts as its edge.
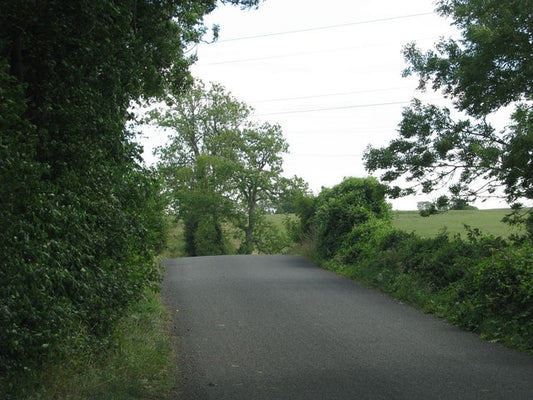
(137, 364)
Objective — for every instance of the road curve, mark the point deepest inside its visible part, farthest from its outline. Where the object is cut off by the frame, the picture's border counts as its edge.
(277, 327)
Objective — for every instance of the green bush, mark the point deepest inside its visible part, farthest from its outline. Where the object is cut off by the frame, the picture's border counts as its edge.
(78, 235)
(270, 238)
(338, 210)
(364, 241)
(503, 295)
(73, 262)
(299, 228)
(209, 238)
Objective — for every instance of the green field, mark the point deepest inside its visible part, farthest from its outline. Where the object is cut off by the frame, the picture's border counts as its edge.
(487, 221)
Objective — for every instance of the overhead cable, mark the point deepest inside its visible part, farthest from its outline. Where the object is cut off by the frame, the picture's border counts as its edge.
(334, 108)
(330, 95)
(318, 28)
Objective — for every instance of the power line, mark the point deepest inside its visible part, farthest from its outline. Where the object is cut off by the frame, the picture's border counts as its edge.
(329, 95)
(334, 108)
(311, 52)
(318, 28)
(296, 54)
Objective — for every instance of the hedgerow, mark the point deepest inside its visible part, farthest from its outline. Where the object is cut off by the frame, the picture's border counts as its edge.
(480, 282)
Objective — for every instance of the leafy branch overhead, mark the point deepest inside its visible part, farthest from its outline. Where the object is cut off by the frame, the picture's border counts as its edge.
(490, 68)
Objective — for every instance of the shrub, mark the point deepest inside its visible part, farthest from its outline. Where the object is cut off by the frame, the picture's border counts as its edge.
(208, 238)
(339, 209)
(364, 241)
(503, 293)
(299, 228)
(269, 238)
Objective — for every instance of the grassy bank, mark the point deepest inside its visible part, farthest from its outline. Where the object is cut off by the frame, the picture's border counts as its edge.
(137, 364)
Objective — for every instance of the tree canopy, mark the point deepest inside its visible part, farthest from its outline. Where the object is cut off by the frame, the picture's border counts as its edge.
(488, 69)
(218, 166)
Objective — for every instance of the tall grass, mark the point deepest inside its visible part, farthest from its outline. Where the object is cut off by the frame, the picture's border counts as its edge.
(137, 363)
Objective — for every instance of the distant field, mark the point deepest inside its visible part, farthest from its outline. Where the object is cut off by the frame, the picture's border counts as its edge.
(488, 221)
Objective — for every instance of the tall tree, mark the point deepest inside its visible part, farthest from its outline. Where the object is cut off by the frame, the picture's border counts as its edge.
(257, 177)
(218, 166)
(489, 68)
(198, 162)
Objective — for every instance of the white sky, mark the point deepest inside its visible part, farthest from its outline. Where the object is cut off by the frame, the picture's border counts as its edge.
(335, 86)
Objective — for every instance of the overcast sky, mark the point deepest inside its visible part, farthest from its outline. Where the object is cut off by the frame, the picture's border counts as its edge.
(328, 72)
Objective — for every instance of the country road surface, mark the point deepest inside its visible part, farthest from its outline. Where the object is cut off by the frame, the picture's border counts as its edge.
(277, 327)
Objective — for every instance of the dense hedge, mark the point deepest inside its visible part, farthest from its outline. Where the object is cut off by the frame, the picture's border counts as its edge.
(337, 211)
(480, 282)
(80, 218)
(77, 248)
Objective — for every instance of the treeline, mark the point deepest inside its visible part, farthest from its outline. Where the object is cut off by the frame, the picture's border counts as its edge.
(222, 172)
(80, 217)
(480, 282)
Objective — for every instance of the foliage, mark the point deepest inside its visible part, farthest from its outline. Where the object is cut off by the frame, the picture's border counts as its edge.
(480, 282)
(137, 363)
(257, 178)
(337, 211)
(300, 228)
(362, 240)
(208, 238)
(270, 238)
(292, 192)
(485, 71)
(503, 296)
(218, 167)
(198, 162)
(489, 67)
(81, 217)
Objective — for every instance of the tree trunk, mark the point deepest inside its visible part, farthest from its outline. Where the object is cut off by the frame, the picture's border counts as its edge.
(249, 231)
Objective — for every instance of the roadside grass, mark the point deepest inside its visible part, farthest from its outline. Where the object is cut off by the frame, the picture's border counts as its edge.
(138, 364)
(487, 221)
(175, 243)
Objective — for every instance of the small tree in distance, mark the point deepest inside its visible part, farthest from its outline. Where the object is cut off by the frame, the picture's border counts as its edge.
(442, 204)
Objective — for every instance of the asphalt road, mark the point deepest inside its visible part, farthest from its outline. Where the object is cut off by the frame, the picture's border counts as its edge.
(277, 327)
